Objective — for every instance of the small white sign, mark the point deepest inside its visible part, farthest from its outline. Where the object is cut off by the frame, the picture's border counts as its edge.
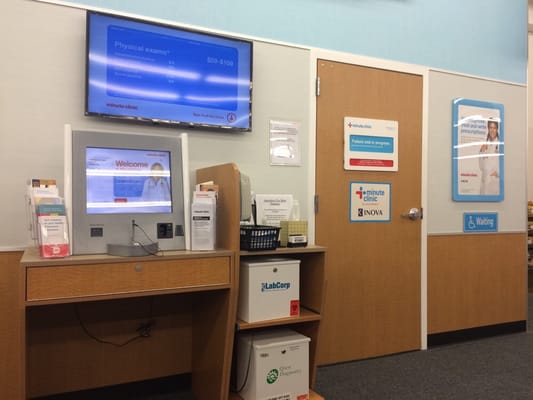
(370, 202)
(285, 142)
(370, 144)
(271, 209)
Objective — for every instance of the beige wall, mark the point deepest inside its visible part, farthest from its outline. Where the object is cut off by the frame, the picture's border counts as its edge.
(42, 73)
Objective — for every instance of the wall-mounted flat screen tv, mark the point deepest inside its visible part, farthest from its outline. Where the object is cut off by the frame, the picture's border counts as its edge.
(148, 72)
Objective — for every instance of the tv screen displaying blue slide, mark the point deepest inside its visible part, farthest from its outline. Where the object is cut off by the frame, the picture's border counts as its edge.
(142, 71)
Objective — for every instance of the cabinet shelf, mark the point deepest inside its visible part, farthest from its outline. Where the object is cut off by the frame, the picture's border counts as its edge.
(283, 251)
(312, 267)
(306, 315)
(312, 396)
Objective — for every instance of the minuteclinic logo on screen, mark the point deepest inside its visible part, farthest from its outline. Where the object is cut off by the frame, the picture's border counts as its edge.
(370, 202)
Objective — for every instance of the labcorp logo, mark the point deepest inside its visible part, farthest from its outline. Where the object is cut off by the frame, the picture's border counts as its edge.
(271, 286)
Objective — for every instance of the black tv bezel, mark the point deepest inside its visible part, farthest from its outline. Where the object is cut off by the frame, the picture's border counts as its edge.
(164, 122)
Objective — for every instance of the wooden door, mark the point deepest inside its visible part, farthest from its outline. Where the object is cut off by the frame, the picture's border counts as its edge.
(372, 305)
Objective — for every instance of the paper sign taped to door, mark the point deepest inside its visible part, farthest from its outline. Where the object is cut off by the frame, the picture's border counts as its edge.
(370, 144)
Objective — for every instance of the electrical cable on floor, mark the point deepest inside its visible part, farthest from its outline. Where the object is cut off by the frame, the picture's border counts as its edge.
(245, 381)
(144, 329)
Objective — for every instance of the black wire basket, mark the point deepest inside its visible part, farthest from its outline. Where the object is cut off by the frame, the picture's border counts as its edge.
(259, 237)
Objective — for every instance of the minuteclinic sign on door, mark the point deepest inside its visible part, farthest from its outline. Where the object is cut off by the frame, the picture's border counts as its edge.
(370, 144)
(370, 202)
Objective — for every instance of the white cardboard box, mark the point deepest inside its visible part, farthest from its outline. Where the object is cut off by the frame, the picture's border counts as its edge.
(273, 365)
(269, 289)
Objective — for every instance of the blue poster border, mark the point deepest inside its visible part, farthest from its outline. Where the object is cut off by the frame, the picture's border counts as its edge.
(455, 142)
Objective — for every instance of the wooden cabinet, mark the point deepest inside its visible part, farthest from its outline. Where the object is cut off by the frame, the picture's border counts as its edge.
(530, 245)
(194, 330)
(312, 268)
(530, 235)
(312, 263)
(61, 282)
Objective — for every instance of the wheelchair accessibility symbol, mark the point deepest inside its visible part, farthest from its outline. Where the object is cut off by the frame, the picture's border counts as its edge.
(480, 222)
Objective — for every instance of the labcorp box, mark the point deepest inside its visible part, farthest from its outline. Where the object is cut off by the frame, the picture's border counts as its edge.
(269, 289)
(273, 365)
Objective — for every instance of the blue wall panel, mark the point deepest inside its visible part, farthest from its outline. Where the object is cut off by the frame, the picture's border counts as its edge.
(480, 37)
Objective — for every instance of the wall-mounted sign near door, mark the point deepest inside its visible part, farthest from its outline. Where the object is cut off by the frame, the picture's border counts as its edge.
(475, 222)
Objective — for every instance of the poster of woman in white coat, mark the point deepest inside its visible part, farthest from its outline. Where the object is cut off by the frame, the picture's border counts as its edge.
(478, 150)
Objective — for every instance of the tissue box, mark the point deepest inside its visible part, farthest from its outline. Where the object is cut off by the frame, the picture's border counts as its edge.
(293, 233)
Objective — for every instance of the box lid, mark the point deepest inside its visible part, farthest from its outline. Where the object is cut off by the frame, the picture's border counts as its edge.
(275, 338)
(260, 261)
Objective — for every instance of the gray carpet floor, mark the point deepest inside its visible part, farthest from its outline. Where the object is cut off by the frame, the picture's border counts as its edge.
(496, 368)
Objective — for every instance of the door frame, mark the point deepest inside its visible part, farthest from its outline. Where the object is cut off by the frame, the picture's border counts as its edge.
(315, 55)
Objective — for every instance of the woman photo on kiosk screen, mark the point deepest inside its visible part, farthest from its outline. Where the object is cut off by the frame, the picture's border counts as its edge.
(156, 187)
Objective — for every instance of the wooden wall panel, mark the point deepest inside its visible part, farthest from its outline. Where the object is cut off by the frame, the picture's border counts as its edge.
(11, 323)
(476, 280)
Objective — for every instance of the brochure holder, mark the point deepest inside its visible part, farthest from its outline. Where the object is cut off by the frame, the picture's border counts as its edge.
(48, 222)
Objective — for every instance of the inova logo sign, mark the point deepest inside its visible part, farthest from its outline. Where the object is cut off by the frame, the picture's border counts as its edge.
(370, 201)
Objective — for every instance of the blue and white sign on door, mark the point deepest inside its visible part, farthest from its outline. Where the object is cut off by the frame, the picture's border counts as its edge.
(475, 222)
(370, 144)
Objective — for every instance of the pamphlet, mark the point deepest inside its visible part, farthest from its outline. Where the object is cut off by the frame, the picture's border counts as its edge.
(53, 230)
(203, 220)
(53, 236)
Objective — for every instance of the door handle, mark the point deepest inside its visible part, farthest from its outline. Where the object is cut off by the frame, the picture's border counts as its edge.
(413, 214)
